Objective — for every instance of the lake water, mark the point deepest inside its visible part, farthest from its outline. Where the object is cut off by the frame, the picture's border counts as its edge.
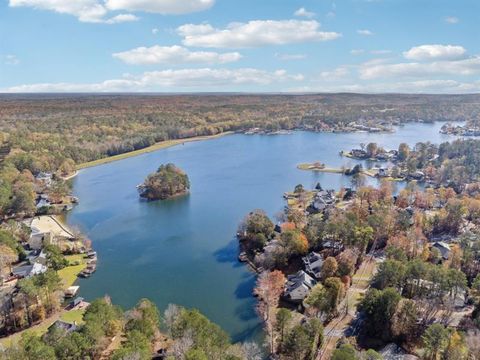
(184, 251)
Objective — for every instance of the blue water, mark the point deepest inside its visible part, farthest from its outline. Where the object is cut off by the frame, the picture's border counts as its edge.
(183, 251)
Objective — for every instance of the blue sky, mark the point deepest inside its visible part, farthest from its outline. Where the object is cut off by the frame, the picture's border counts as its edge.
(424, 46)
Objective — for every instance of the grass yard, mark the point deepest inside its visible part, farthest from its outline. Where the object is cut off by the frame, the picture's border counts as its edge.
(69, 273)
(73, 316)
(39, 329)
(42, 328)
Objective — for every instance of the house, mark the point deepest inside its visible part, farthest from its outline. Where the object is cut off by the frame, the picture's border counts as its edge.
(323, 200)
(394, 352)
(332, 245)
(444, 249)
(298, 286)
(63, 325)
(42, 201)
(313, 264)
(382, 157)
(41, 258)
(26, 271)
(417, 175)
(359, 153)
(45, 178)
(38, 240)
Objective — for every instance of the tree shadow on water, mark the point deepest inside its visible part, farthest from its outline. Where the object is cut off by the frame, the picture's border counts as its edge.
(246, 310)
(228, 254)
(252, 333)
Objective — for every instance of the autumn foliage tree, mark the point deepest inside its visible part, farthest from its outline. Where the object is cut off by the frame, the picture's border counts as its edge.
(269, 287)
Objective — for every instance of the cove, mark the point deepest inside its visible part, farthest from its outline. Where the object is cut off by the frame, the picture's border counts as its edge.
(184, 250)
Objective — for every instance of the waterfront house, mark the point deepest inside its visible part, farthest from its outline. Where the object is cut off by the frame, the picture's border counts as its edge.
(298, 286)
(359, 153)
(313, 264)
(323, 200)
(63, 325)
(26, 271)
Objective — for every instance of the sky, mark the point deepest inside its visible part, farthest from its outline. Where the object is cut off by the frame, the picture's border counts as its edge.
(367, 46)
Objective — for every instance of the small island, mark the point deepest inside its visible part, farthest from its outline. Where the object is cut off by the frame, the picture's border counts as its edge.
(167, 182)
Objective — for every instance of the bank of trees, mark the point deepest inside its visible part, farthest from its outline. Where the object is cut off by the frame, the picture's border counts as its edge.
(191, 336)
(168, 181)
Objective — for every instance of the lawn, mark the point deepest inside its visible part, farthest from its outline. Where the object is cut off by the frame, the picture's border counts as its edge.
(69, 273)
(39, 329)
(73, 316)
(42, 328)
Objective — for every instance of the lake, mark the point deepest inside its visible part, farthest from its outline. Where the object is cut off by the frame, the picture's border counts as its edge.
(184, 251)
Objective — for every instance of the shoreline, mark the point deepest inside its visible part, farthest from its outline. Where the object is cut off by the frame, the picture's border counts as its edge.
(158, 146)
(169, 143)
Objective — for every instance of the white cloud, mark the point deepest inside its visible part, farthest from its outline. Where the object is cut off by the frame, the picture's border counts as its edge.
(435, 52)
(155, 31)
(160, 6)
(173, 55)
(304, 13)
(452, 20)
(290, 56)
(11, 60)
(463, 67)
(364, 32)
(254, 33)
(95, 11)
(197, 79)
(121, 19)
(84, 10)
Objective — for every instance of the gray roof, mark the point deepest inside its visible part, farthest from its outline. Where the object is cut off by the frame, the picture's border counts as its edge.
(301, 278)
